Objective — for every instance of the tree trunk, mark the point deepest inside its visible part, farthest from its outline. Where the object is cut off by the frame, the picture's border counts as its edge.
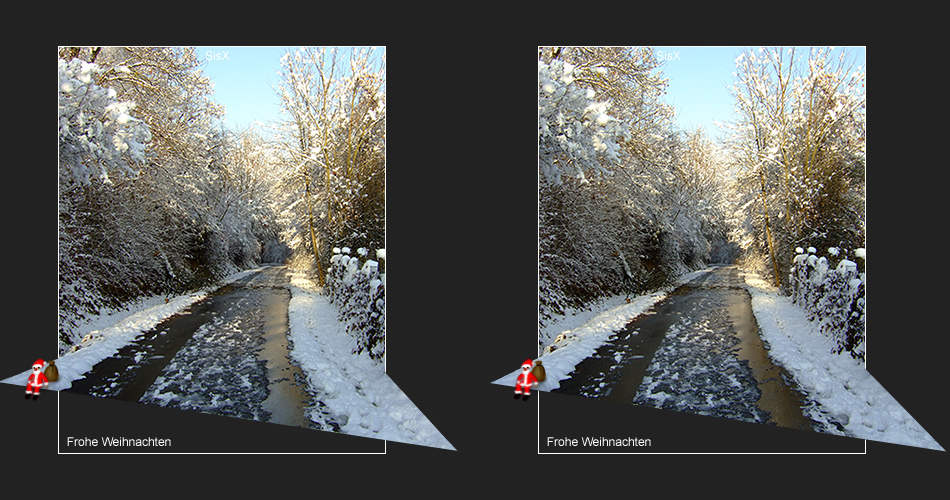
(768, 232)
(313, 236)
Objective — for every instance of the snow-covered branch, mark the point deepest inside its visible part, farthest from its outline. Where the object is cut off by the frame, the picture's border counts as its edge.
(97, 133)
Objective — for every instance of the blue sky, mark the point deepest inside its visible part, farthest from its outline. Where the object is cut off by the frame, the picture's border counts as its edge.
(244, 80)
(699, 83)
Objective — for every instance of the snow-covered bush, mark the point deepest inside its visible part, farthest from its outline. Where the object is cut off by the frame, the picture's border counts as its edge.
(359, 292)
(833, 295)
(575, 132)
(97, 133)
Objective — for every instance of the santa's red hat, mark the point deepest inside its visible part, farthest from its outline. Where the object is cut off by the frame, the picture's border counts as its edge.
(527, 362)
(39, 363)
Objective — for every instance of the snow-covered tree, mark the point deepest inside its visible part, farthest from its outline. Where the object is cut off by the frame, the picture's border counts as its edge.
(334, 141)
(333, 151)
(179, 204)
(800, 148)
(625, 202)
(575, 133)
(98, 134)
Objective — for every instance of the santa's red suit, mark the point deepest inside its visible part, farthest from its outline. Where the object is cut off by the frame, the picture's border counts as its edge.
(525, 379)
(36, 379)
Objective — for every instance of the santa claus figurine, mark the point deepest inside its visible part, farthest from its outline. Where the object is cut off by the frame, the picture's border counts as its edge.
(525, 381)
(36, 379)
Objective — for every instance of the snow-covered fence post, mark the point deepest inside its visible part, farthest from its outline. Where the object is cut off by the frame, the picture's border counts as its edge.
(359, 293)
(832, 297)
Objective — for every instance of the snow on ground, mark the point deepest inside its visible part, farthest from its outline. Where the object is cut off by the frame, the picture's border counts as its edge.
(582, 332)
(840, 384)
(840, 387)
(354, 388)
(114, 329)
(695, 368)
(109, 333)
(351, 385)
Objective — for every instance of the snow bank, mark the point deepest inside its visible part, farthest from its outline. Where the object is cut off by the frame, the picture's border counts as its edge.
(844, 390)
(110, 332)
(582, 332)
(354, 387)
(106, 334)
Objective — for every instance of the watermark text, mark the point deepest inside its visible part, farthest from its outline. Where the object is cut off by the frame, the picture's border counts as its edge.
(217, 56)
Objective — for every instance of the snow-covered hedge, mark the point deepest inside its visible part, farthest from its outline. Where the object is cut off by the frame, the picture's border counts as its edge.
(358, 289)
(833, 295)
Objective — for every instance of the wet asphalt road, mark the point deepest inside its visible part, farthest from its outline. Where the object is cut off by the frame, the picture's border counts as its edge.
(696, 351)
(227, 355)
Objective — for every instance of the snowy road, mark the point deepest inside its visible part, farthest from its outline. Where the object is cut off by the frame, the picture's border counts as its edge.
(227, 355)
(696, 351)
